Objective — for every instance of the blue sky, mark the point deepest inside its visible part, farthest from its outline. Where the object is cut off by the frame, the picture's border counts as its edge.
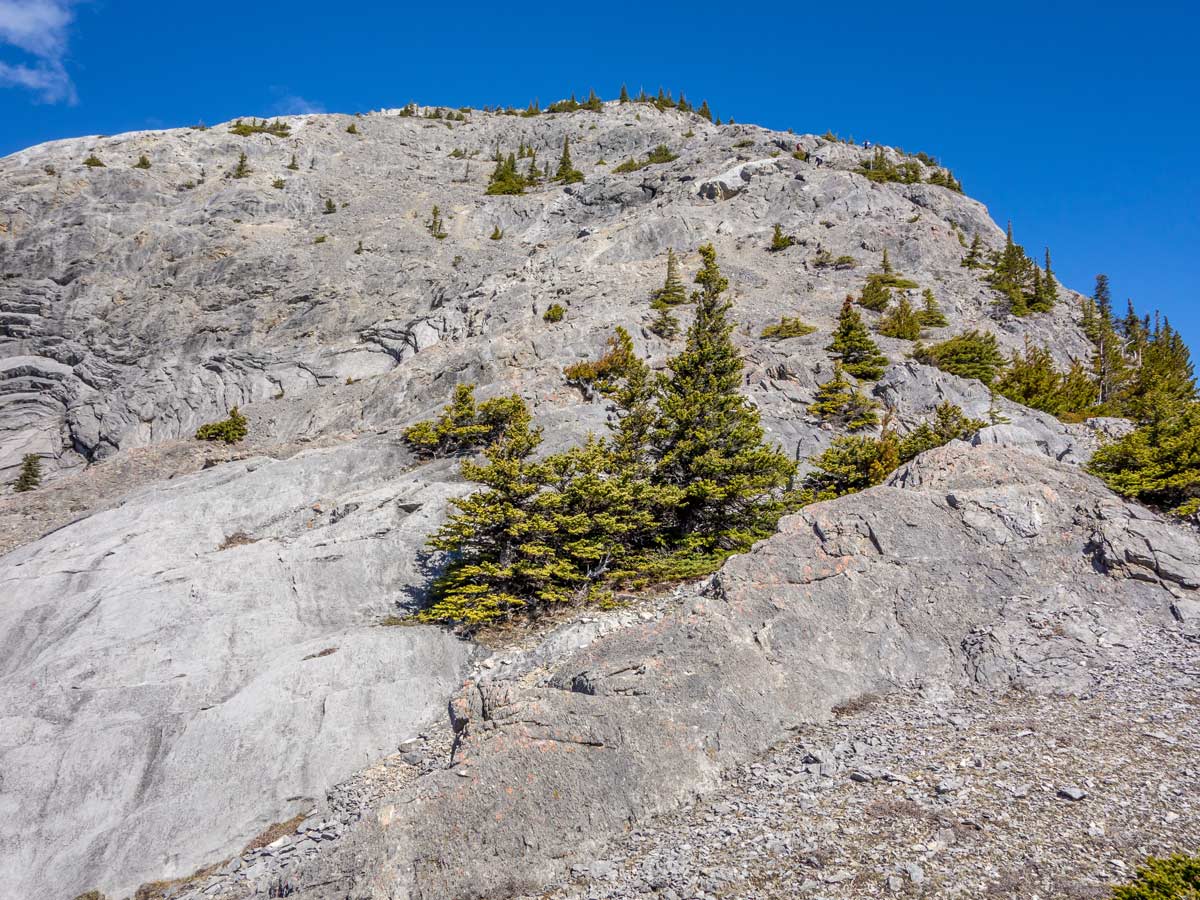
(1080, 123)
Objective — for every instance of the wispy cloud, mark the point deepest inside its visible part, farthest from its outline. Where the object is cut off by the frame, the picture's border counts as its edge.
(293, 105)
(39, 28)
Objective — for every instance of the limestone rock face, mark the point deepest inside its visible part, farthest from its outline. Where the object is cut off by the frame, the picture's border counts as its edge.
(975, 568)
(183, 671)
(192, 644)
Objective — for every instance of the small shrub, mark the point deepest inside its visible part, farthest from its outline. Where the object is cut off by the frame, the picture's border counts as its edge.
(242, 169)
(787, 328)
(554, 313)
(278, 184)
(31, 473)
(319, 239)
(293, 165)
(779, 240)
(1175, 878)
(275, 129)
(143, 162)
(358, 251)
(901, 321)
(464, 425)
(972, 354)
(352, 128)
(497, 233)
(800, 155)
(435, 225)
(230, 431)
(94, 162)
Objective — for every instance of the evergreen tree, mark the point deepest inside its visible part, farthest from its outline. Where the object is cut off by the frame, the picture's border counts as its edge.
(974, 258)
(1087, 318)
(708, 440)
(293, 165)
(672, 293)
(1032, 380)
(1165, 380)
(1110, 369)
(901, 321)
(704, 111)
(1158, 463)
(787, 327)
(875, 295)
(567, 173)
(1011, 273)
(664, 323)
(852, 343)
(1045, 293)
(968, 355)
(779, 240)
(242, 169)
(840, 403)
(232, 430)
(624, 98)
(948, 424)
(593, 102)
(30, 476)
(931, 314)
(464, 425)
(143, 162)
(886, 265)
(435, 225)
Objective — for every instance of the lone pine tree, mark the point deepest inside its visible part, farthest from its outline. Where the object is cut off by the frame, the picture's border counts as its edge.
(852, 344)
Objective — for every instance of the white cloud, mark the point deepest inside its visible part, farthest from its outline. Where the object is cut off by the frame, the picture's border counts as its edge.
(293, 105)
(39, 28)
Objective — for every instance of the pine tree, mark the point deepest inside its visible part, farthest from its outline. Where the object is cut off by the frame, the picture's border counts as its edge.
(974, 257)
(330, 207)
(1164, 381)
(1158, 463)
(852, 343)
(242, 169)
(293, 165)
(709, 442)
(840, 403)
(1010, 274)
(593, 102)
(971, 354)
(143, 162)
(875, 295)
(901, 321)
(30, 476)
(931, 314)
(948, 424)
(672, 293)
(1110, 370)
(886, 265)
(1032, 380)
(231, 430)
(1045, 293)
(567, 173)
(664, 323)
(624, 98)
(704, 111)
(435, 225)
(464, 425)
(779, 240)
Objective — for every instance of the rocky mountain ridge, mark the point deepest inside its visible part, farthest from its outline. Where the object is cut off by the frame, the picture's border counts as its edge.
(197, 643)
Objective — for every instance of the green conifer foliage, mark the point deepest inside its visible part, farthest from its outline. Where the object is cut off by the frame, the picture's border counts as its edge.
(1032, 380)
(624, 98)
(1175, 878)
(293, 165)
(704, 112)
(232, 430)
(948, 424)
(464, 425)
(875, 295)
(852, 343)
(974, 258)
(143, 162)
(779, 240)
(1046, 291)
(242, 169)
(94, 162)
(787, 327)
(901, 321)
(931, 314)
(497, 234)
(610, 371)
(554, 313)
(709, 441)
(567, 173)
(435, 224)
(1157, 463)
(840, 403)
(972, 354)
(664, 323)
(672, 293)
(505, 180)
(30, 476)
(1110, 369)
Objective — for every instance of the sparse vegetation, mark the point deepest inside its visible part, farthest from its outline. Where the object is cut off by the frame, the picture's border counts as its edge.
(260, 126)
(660, 154)
(466, 425)
(901, 321)
(242, 169)
(143, 162)
(567, 173)
(554, 313)
(840, 403)
(436, 226)
(94, 162)
(972, 354)
(779, 240)
(30, 476)
(497, 233)
(787, 327)
(231, 430)
(1176, 877)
